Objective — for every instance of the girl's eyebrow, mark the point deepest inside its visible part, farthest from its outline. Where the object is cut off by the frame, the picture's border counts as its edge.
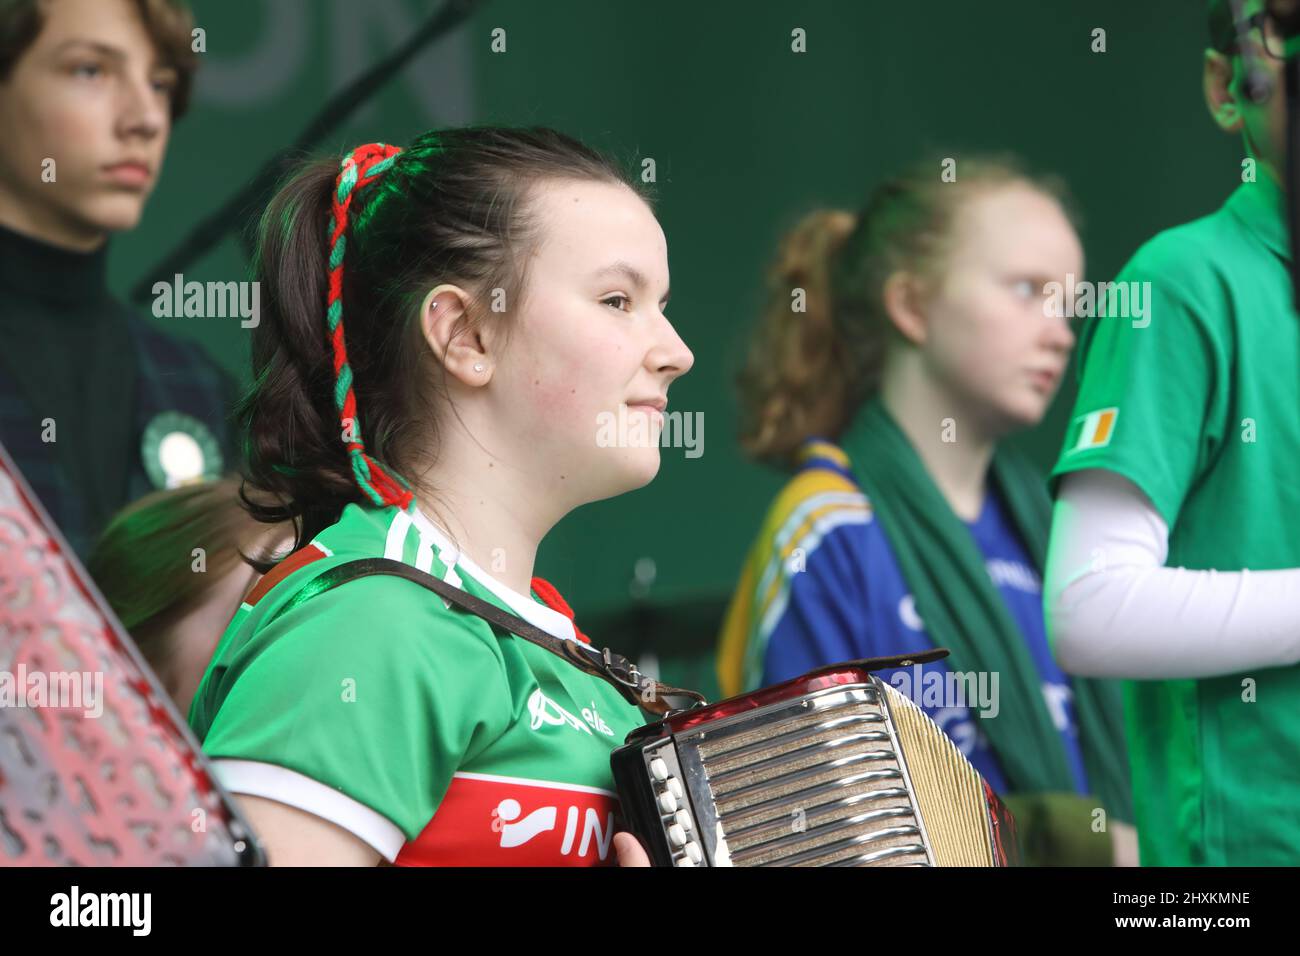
(104, 48)
(632, 274)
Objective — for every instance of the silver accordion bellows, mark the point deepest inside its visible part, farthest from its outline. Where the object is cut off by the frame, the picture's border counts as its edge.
(835, 768)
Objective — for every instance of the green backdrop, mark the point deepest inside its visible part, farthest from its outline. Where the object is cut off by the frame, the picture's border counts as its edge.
(747, 135)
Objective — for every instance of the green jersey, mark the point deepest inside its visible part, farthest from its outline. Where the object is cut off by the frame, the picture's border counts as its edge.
(1197, 401)
(417, 726)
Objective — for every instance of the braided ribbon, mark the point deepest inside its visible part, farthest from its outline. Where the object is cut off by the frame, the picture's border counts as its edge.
(360, 167)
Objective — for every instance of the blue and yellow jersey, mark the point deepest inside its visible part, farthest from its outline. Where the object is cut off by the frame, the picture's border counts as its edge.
(821, 584)
(821, 497)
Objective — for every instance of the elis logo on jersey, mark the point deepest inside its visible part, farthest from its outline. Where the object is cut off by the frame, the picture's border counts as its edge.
(545, 711)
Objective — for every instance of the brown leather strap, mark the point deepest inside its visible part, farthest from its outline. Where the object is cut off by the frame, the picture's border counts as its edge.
(636, 688)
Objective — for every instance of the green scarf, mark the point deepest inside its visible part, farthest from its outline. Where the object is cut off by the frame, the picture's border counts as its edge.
(964, 612)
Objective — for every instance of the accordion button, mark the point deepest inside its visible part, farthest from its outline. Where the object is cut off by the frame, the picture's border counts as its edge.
(693, 853)
(667, 803)
(676, 835)
(683, 819)
(659, 769)
(675, 787)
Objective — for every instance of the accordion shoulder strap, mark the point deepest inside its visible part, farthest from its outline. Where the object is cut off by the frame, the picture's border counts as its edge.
(909, 659)
(636, 688)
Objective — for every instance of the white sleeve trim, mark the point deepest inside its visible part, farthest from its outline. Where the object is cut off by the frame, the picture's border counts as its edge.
(1114, 610)
(258, 779)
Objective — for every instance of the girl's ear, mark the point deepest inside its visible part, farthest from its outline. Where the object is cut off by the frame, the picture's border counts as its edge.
(1220, 92)
(463, 350)
(903, 301)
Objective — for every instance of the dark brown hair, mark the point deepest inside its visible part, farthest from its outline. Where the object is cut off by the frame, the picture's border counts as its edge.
(807, 371)
(455, 206)
(1223, 34)
(169, 24)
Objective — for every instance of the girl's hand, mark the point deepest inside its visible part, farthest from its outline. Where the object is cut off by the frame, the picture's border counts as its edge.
(629, 850)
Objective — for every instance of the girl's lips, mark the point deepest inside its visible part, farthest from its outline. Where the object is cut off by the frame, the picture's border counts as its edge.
(1045, 379)
(128, 174)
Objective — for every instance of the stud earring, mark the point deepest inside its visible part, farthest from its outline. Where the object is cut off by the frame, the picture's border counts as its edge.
(478, 366)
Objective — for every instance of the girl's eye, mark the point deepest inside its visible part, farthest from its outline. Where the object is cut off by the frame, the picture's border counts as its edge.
(89, 70)
(1024, 288)
(165, 85)
(616, 298)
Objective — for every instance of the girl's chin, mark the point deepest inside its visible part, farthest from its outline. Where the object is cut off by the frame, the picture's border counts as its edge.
(1026, 413)
(637, 467)
(1013, 414)
(611, 475)
(644, 466)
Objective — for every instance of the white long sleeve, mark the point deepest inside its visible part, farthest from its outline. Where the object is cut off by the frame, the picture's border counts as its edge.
(1114, 610)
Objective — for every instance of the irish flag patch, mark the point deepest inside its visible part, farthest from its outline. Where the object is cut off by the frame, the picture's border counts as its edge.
(1094, 429)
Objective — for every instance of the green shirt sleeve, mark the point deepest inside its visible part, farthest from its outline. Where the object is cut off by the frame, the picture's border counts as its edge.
(1152, 402)
(372, 689)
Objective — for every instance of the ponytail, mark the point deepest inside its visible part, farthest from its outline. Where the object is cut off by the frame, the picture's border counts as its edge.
(795, 383)
(297, 468)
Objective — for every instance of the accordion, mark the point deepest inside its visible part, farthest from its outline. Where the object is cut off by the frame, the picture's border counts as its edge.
(96, 766)
(834, 768)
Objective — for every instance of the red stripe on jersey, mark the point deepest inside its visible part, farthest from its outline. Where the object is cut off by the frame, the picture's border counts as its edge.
(299, 559)
(513, 821)
(551, 598)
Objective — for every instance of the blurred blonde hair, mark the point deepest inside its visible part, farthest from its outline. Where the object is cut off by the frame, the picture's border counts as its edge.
(143, 563)
(806, 372)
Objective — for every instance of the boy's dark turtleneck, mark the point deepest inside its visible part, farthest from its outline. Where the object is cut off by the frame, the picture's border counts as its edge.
(68, 348)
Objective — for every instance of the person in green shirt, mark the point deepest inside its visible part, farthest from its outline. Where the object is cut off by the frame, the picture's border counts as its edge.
(446, 328)
(1175, 549)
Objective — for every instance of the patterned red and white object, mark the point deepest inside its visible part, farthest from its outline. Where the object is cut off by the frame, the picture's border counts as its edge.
(96, 766)
(834, 768)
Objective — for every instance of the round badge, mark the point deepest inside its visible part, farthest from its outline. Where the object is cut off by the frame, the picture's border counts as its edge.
(178, 449)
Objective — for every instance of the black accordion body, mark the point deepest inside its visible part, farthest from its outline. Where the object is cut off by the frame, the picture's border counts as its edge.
(835, 768)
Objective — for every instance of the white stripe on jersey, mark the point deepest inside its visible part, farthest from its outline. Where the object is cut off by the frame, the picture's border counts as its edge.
(424, 555)
(395, 545)
(757, 649)
(855, 502)
(530, 782)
